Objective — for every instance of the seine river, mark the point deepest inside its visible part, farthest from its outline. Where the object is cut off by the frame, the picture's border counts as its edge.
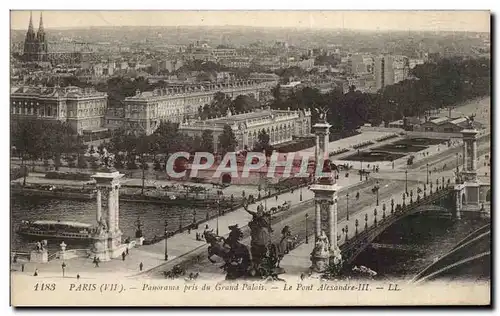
(152, 216)
(433, 237)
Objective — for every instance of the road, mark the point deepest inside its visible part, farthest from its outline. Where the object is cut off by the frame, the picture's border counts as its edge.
(391, 182)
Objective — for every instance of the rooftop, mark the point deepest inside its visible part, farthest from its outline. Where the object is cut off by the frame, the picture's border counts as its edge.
(440, 120)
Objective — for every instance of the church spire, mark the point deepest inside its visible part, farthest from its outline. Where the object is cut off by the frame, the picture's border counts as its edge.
(30, 27)
(40, 27)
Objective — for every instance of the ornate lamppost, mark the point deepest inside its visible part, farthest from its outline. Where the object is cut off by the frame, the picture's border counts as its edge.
(406, 181)
(377, 187)
(404, 199)
(347, 196)
(366, 221)
(166, 238)
(427, 172)
(307, 234)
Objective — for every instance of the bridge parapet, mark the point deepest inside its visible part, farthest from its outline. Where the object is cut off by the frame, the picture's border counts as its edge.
(373, 225)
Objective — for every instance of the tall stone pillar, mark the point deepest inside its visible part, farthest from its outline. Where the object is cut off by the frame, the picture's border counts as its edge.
(107, 238)
(470, 155)
(99, 206)
(324, 188)
(317, 219)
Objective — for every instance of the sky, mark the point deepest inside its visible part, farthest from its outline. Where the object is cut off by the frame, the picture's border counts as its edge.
(472, 21)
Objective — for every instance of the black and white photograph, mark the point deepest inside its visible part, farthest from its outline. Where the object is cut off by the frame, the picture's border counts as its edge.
(250, 158)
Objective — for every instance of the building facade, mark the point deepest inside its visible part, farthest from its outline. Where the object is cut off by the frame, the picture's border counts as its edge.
(146, 110)
(281, 126)
(83, 109)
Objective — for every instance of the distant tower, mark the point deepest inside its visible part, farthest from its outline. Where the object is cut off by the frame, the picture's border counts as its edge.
(35, 45)
(41, 42)
(30, 42)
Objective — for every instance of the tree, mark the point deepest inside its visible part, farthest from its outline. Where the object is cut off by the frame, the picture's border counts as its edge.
(227, 140)
(263, 141)
(207, 140)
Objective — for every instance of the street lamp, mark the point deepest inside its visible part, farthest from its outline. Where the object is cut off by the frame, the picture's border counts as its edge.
(377, 187)
(166, 238)
(427, 173)
(406, 181)
(361, 167)
(307, 234)
(63, 266)
(300, 191)
(347, 196)
(218, 214)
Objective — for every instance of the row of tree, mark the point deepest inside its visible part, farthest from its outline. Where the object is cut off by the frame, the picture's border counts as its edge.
(438, 85)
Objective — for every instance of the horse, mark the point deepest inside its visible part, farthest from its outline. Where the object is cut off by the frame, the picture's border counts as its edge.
(217, 246)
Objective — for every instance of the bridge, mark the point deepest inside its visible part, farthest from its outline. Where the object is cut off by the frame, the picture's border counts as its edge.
(438, 202)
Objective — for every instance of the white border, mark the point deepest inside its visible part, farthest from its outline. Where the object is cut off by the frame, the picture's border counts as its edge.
(198, 4)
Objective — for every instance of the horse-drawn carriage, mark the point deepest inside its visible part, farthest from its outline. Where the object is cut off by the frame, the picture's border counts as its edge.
(284, 207)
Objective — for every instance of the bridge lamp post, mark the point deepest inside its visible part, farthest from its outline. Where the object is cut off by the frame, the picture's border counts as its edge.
(218, 214)
(431, 187)
(375, 214)
(406, 181)
(347, 196)
(63, 266)
(366, 221)
(411, 196)
(383, 211)
(166, 243)
(346, 233)
(404, 198)
(361, 167)
(377, 187)
(307, 234)
(427, 173)
(356, 223)
(437, 184)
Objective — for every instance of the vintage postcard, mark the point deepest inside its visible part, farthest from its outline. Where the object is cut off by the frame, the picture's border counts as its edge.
(250, 158)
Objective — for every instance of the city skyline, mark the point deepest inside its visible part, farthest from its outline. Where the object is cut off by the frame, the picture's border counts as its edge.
(459, 21)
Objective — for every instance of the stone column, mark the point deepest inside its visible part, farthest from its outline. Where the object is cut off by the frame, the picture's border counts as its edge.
(465, 165)
(99, 205)
(458, 202)
(317, 218)
(117, 206)
(474, 154)
(332, 224)
(111, 212)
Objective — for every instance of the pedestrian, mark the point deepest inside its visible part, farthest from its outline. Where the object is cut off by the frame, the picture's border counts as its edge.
(22, 267)
(189, 230)
(126, 250)
(276, 198)
(77, 277)
(123, 256)
(140, 266)
(36, 272)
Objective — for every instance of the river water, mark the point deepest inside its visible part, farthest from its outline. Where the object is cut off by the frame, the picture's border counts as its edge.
(152, 216)
(431, 237)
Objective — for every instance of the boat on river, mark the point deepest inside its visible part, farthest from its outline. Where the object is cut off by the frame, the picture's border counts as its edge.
(56, 229)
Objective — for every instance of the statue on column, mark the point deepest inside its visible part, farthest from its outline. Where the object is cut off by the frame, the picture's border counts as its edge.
(470, 121)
